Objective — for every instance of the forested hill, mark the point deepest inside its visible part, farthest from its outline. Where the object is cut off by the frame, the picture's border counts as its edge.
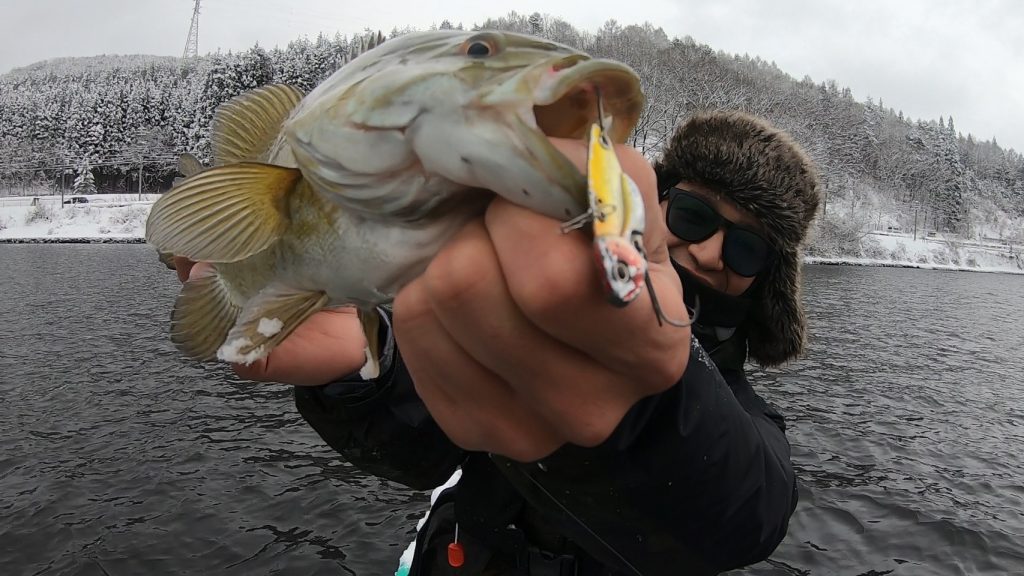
(114, 112)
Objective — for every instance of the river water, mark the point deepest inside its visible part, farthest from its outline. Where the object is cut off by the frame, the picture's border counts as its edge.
(118, 457)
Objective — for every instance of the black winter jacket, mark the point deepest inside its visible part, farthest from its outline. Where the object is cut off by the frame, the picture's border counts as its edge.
(695, 480)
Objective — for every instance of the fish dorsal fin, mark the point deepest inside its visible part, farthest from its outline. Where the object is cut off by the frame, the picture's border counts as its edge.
(189, 165)
(203, 315)
(267, 319)
(223, 214)
(245, 127)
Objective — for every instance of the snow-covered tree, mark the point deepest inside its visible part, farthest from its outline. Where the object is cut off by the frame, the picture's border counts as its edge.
(85, 182)
(536, 22)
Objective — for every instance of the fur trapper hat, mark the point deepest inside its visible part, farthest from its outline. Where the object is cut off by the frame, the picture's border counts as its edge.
(762, 170)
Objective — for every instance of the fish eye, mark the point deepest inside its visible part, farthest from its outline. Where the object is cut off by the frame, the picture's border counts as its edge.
(483, 45)
(478, 49)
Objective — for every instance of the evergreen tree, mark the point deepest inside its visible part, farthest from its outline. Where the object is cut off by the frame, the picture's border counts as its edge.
(85, 182)
(251, 70)
(536, 24)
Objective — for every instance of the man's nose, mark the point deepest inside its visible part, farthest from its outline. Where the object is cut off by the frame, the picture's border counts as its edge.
(708, 253)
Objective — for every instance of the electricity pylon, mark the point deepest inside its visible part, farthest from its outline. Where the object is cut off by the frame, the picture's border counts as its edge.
(192, 44)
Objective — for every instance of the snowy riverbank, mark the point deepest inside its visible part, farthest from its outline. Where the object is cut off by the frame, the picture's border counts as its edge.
(121, 218)
(935, 252)
(102, 218)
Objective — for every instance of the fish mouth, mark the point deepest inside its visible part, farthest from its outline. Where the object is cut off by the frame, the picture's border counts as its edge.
(565, 98)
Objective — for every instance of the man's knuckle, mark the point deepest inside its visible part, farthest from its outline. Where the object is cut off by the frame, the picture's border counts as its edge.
(545, 289)
(451, 276)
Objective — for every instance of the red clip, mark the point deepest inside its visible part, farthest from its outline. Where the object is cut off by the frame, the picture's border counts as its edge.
(456, 556)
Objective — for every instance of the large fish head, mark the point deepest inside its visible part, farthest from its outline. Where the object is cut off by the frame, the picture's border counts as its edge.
(432, 114)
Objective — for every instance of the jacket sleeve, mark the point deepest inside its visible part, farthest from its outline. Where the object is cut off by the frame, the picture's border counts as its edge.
(381, 426)
(695, 480)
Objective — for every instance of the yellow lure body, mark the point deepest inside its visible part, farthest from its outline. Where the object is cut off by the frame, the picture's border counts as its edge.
(617, 213)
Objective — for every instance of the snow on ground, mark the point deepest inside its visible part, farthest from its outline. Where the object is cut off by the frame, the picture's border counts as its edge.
(893, 234)
(119, 217)
(104, 216)
(934, 252)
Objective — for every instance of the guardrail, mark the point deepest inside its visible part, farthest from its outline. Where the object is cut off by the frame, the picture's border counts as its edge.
(101, 200)
(1003, 246)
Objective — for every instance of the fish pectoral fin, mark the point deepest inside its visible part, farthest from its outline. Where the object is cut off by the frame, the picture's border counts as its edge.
(223, 214)
(370, 321)
(203, 314)
(189, 165)
(245, 127)
(167, 259)
(268, 319)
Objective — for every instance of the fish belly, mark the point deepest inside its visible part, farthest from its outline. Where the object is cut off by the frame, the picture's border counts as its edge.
(366, 262)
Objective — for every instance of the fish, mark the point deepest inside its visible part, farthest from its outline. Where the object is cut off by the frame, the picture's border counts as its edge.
(342, 196)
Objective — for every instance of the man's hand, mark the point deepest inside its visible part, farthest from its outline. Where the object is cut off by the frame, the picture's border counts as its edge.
(512, 343)
(508, 335)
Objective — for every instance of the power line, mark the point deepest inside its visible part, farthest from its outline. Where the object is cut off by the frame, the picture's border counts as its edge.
(192, 43)
(160, 160)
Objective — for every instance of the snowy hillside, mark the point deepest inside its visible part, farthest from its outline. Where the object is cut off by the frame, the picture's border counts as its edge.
(870, 229)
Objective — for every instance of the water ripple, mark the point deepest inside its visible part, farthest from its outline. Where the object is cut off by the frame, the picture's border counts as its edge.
(118, 457)
(906, 420)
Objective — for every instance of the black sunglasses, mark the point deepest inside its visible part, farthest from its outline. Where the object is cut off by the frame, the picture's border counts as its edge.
(692, 219)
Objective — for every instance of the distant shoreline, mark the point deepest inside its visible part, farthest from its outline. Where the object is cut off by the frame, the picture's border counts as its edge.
(898, 264)
(78, 240)
(807, 260)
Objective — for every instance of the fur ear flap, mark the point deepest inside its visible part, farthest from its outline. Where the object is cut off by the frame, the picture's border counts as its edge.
(777, 326)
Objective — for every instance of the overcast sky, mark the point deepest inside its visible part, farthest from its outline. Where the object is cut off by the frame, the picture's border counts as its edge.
(928, 58)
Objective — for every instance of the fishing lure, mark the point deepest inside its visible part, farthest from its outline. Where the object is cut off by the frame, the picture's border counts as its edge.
(616, 212)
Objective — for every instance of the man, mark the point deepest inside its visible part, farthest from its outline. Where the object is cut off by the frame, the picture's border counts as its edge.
(591, 440)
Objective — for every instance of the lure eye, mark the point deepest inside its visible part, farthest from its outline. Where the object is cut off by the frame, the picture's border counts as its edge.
(478, 49)
(621, 271)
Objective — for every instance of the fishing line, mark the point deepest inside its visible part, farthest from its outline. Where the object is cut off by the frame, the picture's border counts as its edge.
(580, 522)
